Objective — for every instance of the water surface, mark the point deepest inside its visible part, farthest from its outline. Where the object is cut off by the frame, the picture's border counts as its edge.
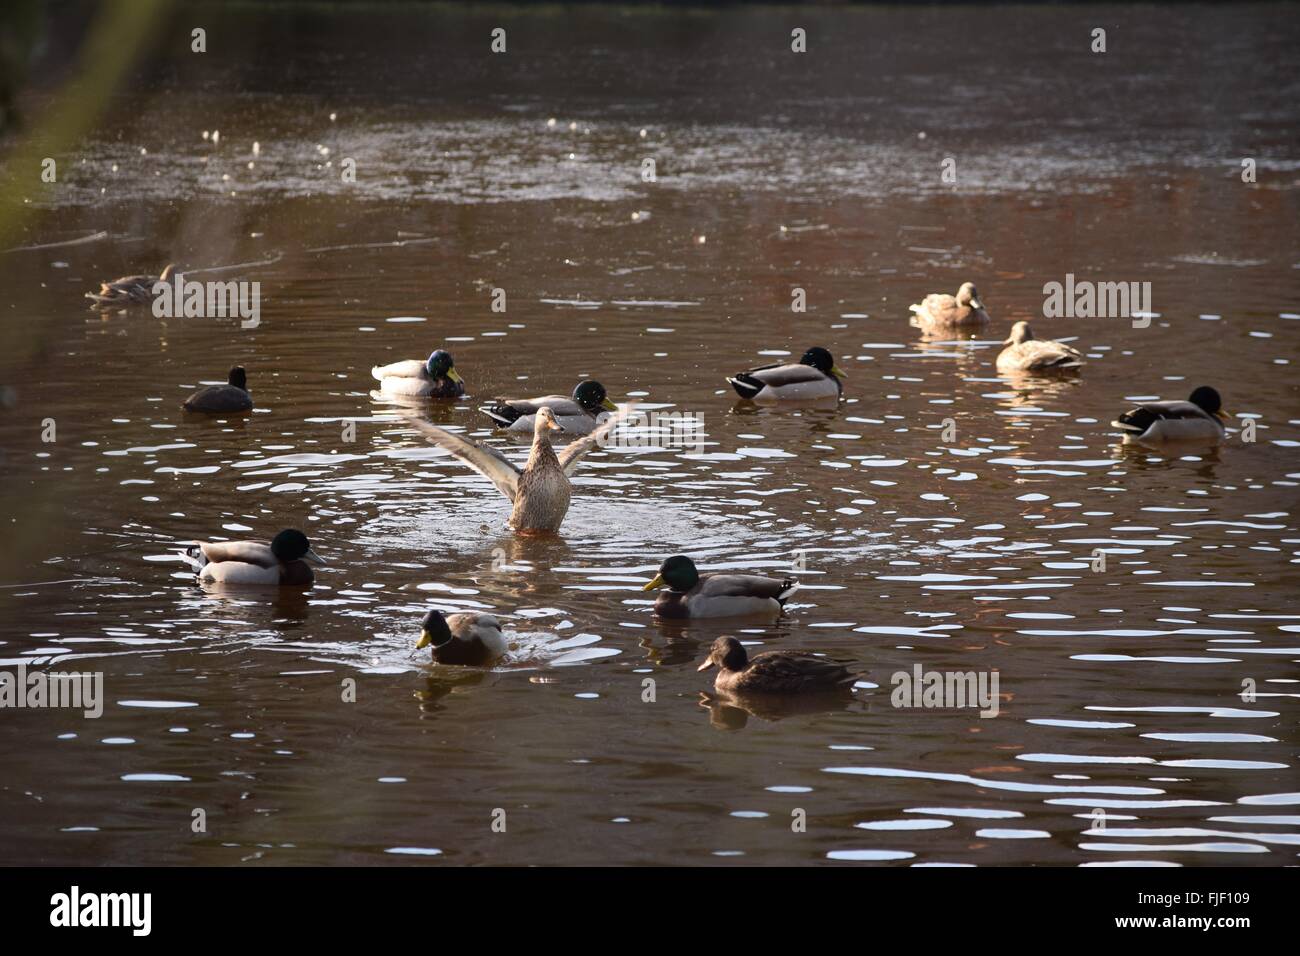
(964, 548)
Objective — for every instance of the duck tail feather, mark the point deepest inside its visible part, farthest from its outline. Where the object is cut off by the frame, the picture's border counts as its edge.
(501, 413)
(1138, 420)
(746, 385)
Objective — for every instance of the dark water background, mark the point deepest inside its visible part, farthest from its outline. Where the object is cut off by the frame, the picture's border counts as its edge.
(819, 171)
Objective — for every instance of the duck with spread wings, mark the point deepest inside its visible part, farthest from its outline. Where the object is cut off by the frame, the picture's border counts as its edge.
(540, 491)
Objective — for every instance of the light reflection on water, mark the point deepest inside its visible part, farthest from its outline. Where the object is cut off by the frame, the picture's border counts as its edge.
(965, 554)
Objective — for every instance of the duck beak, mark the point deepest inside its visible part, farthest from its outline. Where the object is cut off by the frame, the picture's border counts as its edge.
(838, 372)
(1224, 415)
(976, 304)
(658, 582)
(706, 665)
(312, 557)
(425, 640)
(455, 376)
(608, 405)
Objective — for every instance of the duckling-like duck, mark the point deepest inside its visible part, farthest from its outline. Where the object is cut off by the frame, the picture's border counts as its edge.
(1024, 353)
(217, 399)
(1199, 419)
(540, 490)
(941, 314)
(436, 377)
(470, 639)
(128, 290)
(691, 594)
(285, 561)
(576, 415)
(773, 672)
(816, 376)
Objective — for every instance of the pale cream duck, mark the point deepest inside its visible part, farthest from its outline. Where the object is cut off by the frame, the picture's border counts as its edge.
(1024, 353)
(940, 314)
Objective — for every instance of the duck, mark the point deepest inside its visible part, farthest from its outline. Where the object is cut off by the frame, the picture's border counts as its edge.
(285, 561)
(436, 377)
(1024, 353)
(216, 399)
(940, 313)
(691, 594)
(577, 415)
(1200, 418)
(128, 290)
(470, 639)
(773, 672)
(540, 491)
(815, 376)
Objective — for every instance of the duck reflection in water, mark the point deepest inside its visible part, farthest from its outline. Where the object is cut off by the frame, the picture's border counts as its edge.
(684, 637)
(522, 564)
(433, 695)
(732, 711)
(290, 607)
(440, 413)
(1029, 390)
(818, 409)
(1201, 459)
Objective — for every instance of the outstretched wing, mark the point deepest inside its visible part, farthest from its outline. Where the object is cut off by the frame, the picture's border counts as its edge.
(484, 459)
(572, 453)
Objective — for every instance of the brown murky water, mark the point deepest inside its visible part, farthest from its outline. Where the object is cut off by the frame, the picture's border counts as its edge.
(960, 552)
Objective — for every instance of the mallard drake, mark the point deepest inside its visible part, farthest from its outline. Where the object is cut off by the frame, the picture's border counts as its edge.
(815, 376)
(691, 594)
(576, 415)
(540, 490)
(470, 639)
(128, 290)
(946, 314)
(1200, 418)
(773, 672)
(284, 561)
(1024, 353)
(436, 377)
(215, 399)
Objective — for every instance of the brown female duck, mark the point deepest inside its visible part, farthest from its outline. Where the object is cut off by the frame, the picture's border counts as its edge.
(773, 672)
